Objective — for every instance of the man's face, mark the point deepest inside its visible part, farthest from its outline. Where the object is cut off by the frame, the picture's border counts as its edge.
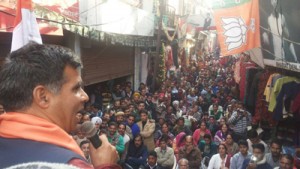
(127, 112)
(106, 117)
(180, 122)
(121, 130)
(163, 145)
(183, 165)
(285, 163)
(243, 149)
(258, 153)
(215, 108)
(275, 150)
(72, 95)
(86, 149)
(117, 104)
(86, 117)
(112, 129)
(144, 117)
(138, 141)
(211, 120)
(152, 160)
(207, 141)
(119, 119)
(189, 143)
(170, 110)
(78, 116)
(130, 120)
(143, 92)
(141, 106)
(149, 98)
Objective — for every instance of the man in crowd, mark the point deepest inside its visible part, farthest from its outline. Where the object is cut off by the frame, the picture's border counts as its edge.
(254, 139)
(286, 162)
(41, 90)
(137, 153)
(238, 159)
(126, 139)
(85, 147)
(180, 127)
(152, 161)
(258, 159)
(274, 156)
(147, 128)
(119, 117)
(191, 153)
(165, 154)
(240, 120)
(115, 138)
(207, 146)
(183, 164)
(134, 127)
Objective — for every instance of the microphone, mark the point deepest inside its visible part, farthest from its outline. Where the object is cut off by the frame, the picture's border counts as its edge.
(89, 131)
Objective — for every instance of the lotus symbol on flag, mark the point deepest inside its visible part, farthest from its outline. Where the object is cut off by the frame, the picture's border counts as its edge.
(235, 31)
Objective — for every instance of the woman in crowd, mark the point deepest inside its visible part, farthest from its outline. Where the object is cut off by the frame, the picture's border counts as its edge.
(200, 132)
(221, 135)
(178, 142)
(164, 130)
(220, 160)
(232, 147)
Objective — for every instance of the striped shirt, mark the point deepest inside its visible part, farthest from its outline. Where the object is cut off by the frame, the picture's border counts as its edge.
(240, 122)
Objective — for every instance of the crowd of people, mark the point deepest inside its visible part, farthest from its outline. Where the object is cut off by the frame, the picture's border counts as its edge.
(195, 120)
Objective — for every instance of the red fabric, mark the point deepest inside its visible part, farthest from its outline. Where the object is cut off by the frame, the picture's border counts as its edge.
(261, 107)
(296, 104)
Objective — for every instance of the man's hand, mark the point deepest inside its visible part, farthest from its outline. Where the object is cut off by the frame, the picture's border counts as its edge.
(251, 166)
(105, 154)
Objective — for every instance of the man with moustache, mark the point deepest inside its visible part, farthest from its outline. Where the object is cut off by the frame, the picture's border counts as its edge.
(41, 90)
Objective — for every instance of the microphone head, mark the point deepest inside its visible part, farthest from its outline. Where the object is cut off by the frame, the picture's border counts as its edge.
(88, 129)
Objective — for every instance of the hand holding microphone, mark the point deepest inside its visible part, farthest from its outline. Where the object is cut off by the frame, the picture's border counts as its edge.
(101, 151)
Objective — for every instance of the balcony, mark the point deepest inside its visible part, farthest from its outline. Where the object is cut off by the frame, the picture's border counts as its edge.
(168, 17)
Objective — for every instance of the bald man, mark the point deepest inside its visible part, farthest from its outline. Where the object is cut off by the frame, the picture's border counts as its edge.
(191, 153)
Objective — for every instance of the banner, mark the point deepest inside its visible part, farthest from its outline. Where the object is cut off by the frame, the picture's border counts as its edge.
(237, 23)
(280, 38)
(8, 15)
(67, 8)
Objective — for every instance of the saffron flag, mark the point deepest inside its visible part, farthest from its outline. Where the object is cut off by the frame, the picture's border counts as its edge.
(237, 23)
(25, 27)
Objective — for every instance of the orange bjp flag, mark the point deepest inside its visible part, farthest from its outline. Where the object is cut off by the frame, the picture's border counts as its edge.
(237, 23)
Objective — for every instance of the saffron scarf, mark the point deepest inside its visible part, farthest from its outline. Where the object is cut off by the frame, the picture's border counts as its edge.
(29, 127)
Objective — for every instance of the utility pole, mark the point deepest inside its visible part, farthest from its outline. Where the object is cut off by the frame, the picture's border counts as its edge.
(158, 41)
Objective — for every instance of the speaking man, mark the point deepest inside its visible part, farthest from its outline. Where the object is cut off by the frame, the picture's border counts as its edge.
(41, 91)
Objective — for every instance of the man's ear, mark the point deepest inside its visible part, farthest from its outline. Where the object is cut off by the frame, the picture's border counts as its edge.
(41, 96)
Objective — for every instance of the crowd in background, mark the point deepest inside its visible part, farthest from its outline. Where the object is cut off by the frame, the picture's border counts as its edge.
(193, 121)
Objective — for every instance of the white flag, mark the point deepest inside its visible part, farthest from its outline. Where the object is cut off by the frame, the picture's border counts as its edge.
(26, 27)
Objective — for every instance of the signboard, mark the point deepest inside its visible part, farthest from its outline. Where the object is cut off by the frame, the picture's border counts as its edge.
(280, 38)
